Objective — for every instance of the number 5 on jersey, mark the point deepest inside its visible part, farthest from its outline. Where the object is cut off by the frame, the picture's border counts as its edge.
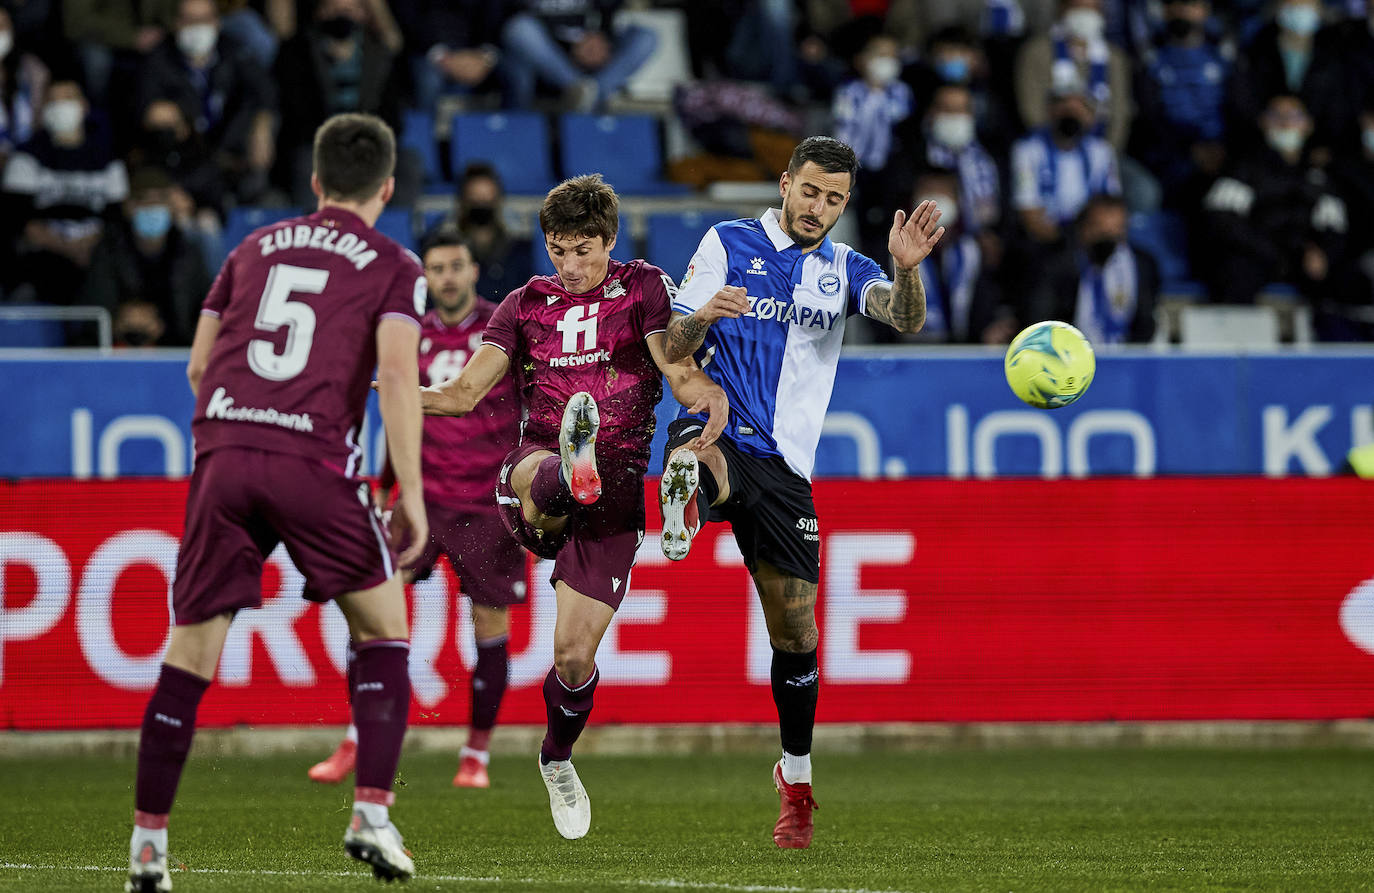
(276, 309)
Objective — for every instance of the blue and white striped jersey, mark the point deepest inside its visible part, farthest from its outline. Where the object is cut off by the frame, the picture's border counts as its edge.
(776, 363)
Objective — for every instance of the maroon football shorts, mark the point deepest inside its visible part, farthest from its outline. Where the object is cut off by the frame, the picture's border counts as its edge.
(595, 552)
(490, 564)
(243, 502)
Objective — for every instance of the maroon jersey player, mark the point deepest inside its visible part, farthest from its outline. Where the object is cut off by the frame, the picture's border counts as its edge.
(299, 316)
(460, 460)
(586, 348)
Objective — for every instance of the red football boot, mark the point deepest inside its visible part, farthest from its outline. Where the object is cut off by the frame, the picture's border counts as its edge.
(338, 766)
(793, 830)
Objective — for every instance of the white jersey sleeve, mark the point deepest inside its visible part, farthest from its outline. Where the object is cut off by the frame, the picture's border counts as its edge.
(705, 274)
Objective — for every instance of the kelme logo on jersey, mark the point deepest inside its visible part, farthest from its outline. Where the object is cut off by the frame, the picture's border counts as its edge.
(756, 267)
(829, 284)
(785, 312)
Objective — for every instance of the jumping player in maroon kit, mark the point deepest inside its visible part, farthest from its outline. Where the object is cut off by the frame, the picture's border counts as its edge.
(299, 316)
(460, 459)
(586, 347)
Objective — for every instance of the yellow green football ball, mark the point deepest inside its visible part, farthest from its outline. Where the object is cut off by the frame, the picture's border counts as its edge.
(1050, 364)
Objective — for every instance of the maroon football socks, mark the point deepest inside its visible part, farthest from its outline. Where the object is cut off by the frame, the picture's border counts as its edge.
(169, 724)
(568, 709)
(550, 492)
(381, 704)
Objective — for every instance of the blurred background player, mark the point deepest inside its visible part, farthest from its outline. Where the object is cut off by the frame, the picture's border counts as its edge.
(587, 349)
(766, 300)
(460, 459)
(298, 318)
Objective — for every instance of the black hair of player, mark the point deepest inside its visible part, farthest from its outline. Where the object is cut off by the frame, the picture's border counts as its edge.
(445, 235)
(582, 206)
(827, 153)
(354, 154)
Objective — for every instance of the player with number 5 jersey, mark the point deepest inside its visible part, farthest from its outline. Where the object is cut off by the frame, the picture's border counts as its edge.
(289, 335)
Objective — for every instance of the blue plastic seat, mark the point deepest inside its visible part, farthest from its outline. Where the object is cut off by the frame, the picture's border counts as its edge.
(515, 143)
(624, 250)
(398, 224)
(1164, 236)
(243, 220)
(32, 332)
(674, 236)
(417, 134)
(625, 148)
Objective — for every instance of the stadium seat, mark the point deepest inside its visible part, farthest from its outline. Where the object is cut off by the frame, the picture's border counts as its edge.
(16, 331)
(429, 220)
(243, 220)
(398, 224)
(1165, 237)
(626, 147)
(515, 143)
(671, 64)
(417, 134)
(1224, 326)
(623, 251)
(673, 238)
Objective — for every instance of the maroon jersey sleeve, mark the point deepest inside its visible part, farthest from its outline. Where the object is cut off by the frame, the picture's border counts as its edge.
(406, 294)
(503, 330)
(657, 290)
(218, 296)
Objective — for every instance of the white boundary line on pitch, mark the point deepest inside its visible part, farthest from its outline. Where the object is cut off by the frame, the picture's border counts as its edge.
(667, 884)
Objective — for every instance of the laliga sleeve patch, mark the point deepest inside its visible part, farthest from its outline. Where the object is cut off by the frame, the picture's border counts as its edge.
(421, 295)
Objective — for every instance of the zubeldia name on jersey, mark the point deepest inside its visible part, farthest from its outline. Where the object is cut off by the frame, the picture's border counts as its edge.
(322, 238)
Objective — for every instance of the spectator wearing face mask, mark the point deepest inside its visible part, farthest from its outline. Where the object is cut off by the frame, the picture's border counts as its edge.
(145, 257)
(222, 91)
(964, 302)
(503, 259)
(868, 112)
(1179, 132)
(1076, 52)
(1290, 55)
(56, 189)
(951, 142)
(1105, 286)
(1274, 217)
(337, 64)
(954, 57)
(166, 141)
(1058, 167)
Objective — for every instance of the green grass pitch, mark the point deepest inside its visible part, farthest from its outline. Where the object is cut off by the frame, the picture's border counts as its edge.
(1096, 820)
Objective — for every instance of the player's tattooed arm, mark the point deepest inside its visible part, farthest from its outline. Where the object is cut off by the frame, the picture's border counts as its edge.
(692, 388)
(902, 304)
(687, 331)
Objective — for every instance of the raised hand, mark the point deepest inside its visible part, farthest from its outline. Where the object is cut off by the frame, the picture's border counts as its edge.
(911, 239)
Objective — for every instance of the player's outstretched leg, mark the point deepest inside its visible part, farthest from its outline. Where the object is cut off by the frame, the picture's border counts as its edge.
(677, 497)
(577, 447)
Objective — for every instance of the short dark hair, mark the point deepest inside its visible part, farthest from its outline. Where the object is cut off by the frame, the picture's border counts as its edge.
(445, 235)
(581, 206)
(480, 170)
(827, 153)
(354, 155)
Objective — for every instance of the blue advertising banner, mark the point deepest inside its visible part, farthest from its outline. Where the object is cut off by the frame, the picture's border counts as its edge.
(921, 411)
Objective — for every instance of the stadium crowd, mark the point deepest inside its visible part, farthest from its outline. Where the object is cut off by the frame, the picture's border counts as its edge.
(1093, 157)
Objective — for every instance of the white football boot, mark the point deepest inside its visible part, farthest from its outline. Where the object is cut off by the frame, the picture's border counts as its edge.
(378, 846)
(147, 866)
(568, 800)
(577, 447)
(677, 497)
